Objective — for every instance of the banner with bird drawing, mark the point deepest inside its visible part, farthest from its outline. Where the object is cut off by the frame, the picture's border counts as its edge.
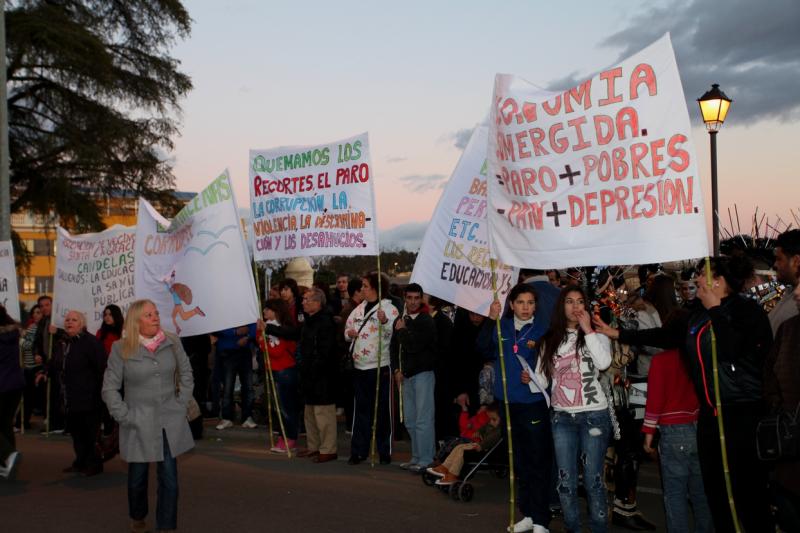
(196, 267)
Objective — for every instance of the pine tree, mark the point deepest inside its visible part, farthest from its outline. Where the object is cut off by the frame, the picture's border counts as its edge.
(93, 102)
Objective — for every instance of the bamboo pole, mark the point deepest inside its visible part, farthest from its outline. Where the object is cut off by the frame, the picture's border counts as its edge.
(720, 424)
(511, 481)
(373, 442)
(400, 366)
(48, 411)
(271, 379)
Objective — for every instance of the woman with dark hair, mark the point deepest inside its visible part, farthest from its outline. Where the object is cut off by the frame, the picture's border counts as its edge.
(111, 329)
(12, 382)
(281, 348)
(572, 357)
(290, 293)
(527, 400)
(743, 340)
(31, 364)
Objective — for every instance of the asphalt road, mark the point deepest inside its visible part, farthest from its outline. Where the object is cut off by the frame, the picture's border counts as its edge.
(231, 483)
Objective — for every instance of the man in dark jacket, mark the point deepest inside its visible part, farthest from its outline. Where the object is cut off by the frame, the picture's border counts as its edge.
(318, 366)
(413, 361)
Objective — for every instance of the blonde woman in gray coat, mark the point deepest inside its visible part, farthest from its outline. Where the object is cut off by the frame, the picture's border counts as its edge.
(151, 416)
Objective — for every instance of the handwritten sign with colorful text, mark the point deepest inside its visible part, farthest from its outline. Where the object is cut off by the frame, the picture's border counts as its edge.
(9, 296)
(313, 200)
(196, 268)
(92, 271)
(601, 173)
(454, 262)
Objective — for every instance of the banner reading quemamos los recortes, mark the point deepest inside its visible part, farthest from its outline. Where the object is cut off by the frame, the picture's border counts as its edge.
(313, 200)
(196, 268)
(93, 270)
(602, 173)
(454, 261)
(9, 295)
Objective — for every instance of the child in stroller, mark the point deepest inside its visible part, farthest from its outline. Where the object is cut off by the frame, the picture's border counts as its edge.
(478, 433)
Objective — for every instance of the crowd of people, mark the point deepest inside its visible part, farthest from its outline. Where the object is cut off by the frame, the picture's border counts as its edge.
(563, 370)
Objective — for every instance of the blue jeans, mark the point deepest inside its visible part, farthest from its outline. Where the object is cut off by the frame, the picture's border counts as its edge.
(237, 363)
(287, 383)
(682, 479)
(166, 496)
(582, 437)
(418, 416)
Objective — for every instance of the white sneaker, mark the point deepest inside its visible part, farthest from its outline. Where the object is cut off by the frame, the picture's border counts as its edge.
(526, 524)
(249, 423)
(225, 424)
(8, 467)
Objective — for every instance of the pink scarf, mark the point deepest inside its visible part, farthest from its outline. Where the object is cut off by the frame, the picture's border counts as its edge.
(153, 343)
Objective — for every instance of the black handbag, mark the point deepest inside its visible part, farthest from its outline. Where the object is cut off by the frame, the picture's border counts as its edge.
(778, 436)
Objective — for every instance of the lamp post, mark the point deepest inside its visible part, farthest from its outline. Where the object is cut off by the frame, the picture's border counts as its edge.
(714, 105)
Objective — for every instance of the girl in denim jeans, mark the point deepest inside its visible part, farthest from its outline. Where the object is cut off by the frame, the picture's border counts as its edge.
(572, 357)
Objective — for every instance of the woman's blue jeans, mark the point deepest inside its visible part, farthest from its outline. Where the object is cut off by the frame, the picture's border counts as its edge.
(287, 383)
(582, 437)
(166, 496)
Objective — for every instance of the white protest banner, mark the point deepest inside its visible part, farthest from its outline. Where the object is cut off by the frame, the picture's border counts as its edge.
(92, 271)
(313, 200)
(9, 295)
(453, 261)
(196, 268)
(602, 173)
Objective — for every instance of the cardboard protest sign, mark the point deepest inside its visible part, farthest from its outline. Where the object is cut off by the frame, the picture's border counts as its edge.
(196, 268)
(453, 261)
(313, 200)
(92, 271)
(601, 173)
(9, 295)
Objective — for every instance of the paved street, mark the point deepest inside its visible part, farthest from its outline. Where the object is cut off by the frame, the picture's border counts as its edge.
(231, 483)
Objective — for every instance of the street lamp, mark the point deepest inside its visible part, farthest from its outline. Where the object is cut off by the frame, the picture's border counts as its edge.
(714, 105)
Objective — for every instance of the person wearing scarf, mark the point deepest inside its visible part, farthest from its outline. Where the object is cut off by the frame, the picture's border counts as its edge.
(157, 378)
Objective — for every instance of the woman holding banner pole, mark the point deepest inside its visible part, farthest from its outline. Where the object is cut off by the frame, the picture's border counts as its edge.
(528, 405)
(362, 332)
(743, 337)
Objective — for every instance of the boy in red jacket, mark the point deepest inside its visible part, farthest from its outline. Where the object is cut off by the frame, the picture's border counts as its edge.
(672, 407)
(480, 432)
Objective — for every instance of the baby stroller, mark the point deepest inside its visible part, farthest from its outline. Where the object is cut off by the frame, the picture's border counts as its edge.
(462, 490)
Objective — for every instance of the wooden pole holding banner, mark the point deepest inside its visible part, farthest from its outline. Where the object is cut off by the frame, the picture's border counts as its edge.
(22, 400)
(720, 424)
(48, 411)
(373, 442)
(511, 481)
(400, 367)
(270, 378)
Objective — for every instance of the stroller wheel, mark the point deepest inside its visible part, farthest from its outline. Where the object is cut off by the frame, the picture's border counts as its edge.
(454, 490)
(465, 492)
(428, 479)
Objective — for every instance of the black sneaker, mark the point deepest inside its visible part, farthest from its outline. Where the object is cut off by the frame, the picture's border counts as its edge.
(354, 460)
(386, 459)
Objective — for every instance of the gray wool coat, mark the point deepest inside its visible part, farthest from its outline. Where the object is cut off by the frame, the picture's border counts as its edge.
(150, 403)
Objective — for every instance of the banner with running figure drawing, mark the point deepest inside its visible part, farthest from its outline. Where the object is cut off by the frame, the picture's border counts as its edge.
(196, 268)
(9, 295)
(92, 271)
(313, 200)
(454, 262)
(602, 173)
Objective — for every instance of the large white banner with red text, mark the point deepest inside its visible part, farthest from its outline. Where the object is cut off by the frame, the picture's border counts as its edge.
(313, 200)
(601, 173)
(196, 267)
(9, 295)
